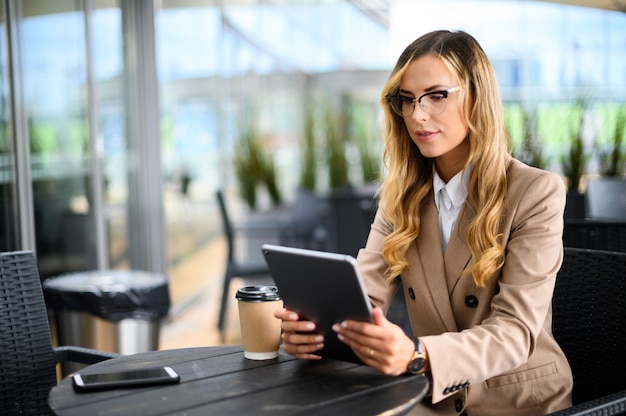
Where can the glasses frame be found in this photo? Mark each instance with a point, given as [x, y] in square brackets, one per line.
[418, 100]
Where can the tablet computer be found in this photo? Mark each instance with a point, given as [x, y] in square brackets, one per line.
[322, 287]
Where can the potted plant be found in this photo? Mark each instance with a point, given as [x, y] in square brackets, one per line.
[606, 194]
[613, 153]
[336, 151]
[308, 176]
[523, 131]
[575, 160]
[368, 145]
[254, 166]
[246, 168]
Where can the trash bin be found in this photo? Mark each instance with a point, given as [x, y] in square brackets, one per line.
[109, 310]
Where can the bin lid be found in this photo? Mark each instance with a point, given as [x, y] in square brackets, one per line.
[110, 294]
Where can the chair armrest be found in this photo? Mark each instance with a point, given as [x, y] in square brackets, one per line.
[612, 404]
[81, 355]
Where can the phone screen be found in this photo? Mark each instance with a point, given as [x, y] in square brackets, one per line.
[126, 378]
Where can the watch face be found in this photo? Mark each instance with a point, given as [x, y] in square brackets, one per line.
[416, 365]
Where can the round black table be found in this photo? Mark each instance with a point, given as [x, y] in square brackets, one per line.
[220, 381]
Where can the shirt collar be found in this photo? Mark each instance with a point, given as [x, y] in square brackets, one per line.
[456, 187]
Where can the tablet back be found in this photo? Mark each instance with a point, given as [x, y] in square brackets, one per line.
[325, 288]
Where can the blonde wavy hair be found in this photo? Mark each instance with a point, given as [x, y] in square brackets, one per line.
[408, 181]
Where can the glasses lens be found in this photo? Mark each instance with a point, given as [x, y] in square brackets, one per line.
[434, 103]
[395, 103]
[408, 105]
[403, 105]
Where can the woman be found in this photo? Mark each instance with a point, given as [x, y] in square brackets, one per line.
[473, 235]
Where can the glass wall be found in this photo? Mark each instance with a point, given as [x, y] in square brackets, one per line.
[76, 134]
[110, 137]
[58, 131]
[86, 151]
[226, 69]
[221, 63]
[548, 57]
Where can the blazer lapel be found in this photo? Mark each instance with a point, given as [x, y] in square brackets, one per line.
[428, 246]
[457, 255]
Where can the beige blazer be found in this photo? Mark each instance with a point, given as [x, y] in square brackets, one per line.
[491, 350]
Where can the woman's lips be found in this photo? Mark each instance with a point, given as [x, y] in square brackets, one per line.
[425, 135]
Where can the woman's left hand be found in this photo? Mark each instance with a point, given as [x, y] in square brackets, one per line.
[381, 345]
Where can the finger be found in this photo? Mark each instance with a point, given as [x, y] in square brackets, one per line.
[302, 349]
[303, 339]
[368, 328]
[302, 345]
[307, 356]
[379, 316]
[286, 314]
[359, 332]
[368, 355]
[370, 342]
[360, 345]
[297, 326]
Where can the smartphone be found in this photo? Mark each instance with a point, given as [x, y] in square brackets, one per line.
[125, 378]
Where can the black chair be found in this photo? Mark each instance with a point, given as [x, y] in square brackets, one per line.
[606, 198]
[306, 222]
[27, 359]
[235, 266]
[589, 312]
[348, 227]
[595, 234]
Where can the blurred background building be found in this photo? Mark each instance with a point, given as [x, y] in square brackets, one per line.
[119, 119]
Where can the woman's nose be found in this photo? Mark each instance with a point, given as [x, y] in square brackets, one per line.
[419, 113]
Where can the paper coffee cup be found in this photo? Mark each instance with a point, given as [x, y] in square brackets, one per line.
[260, 330]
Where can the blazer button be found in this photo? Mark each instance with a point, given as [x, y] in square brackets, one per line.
[458, 405]
[471, 301]
[411, 293]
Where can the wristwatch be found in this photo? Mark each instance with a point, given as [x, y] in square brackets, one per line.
[417, 365]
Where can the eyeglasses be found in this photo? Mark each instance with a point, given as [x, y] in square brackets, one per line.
[433, 102]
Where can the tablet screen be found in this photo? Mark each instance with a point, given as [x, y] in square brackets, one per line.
[322, 287]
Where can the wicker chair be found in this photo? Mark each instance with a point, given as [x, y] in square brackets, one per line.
[595, 234]
[27, 358]
[588, 322]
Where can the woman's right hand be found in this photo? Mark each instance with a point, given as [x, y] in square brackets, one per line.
[299, 338]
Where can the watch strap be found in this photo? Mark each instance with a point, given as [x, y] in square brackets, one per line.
[418, 345]
[417, 365]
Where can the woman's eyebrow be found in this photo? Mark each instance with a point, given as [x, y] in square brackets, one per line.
[437, 87]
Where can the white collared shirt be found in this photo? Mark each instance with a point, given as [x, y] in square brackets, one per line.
[449, 198]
